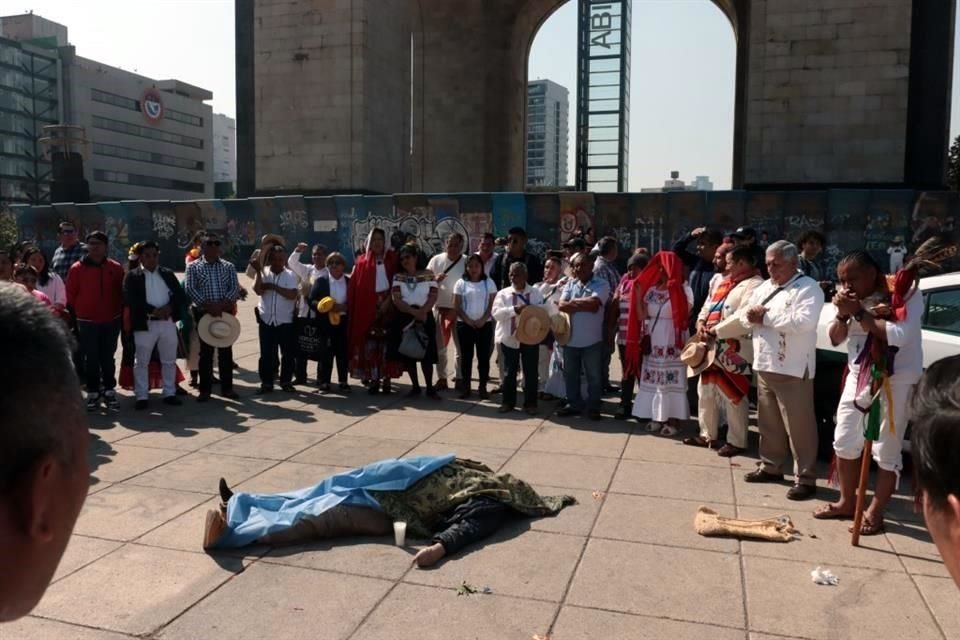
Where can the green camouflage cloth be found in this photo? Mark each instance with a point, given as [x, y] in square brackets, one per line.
[422, 506]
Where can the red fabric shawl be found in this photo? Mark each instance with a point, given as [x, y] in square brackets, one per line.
[362, 295]
[679, 307]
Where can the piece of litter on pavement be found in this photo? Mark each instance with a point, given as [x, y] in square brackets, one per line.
[537, 636]
[466, 589]
[812, 535]
[486, 590]
[597, 495]
[824, 577]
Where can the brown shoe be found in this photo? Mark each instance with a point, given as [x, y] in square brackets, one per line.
[213, 528]
[729, 451]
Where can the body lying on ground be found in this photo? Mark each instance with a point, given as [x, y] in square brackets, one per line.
[451, 501]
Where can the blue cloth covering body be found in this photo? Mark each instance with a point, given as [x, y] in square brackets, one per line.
[250, 516]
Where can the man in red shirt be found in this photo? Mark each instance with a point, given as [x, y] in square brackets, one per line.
[95, 299]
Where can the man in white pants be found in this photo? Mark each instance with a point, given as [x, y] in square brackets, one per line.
[156, 301]
[448, 268]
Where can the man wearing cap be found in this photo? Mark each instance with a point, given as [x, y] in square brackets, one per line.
[507, 307]
[156, 300]
[584, 298]
[448, 267]
[308, 274]
[71, 250]
[747, 237]
[95, 299]
[212, 284]
[278, 289]
[782, 316]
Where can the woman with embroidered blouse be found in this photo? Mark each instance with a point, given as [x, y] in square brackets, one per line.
[414, 295]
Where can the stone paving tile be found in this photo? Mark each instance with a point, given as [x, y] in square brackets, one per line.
[680, 584]
[576, 623]
[274, 601]
[136, 589]
[943, 599]
[325, 423]
[185, 533]
[124, 512]
[129, 461]
[286, 477]
[81, 551]
[374, 557]
[39, 629]
[178, 437]
[200, 471]
[657, 521]
[916, 549]
[506, 435]
[575, 519]
[599, 442]
[655, 448]
[867, 603]
[490, 456]
[396, 427]
[343, 450]
[261, 443]
[516, 561]
[710, 487]
[831, 546]
[424, 613]
[562, 470]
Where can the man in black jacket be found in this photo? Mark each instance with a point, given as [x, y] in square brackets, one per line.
[516, 252]
[156, 300]
[700, 264]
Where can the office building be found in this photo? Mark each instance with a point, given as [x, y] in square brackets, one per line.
[146, 139]
[29, 100]
[224, 156]
[674, 183]
[548, 108]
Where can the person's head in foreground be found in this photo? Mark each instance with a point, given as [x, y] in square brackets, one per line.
[935, 442]
[43, 449]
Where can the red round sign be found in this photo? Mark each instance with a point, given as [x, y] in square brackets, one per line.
[152, 106]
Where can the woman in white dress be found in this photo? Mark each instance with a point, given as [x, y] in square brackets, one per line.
[659, 314]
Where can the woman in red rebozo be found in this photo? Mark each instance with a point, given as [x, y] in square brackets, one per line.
[660, 307]
[368, 305]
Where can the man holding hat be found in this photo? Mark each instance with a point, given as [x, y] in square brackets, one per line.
[95, 299]
[584, 298]
[213, 286]
[522, 324]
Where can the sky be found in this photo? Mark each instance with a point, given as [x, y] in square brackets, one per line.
[682, 68]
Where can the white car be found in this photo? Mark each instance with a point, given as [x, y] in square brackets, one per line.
[941, 338]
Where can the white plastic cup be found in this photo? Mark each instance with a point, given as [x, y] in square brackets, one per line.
[400, 533]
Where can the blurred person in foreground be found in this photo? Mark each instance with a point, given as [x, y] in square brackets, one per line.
[43, 449]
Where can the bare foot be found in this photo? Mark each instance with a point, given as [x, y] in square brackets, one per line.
[429, 556]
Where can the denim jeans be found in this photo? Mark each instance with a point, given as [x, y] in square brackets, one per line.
[98, 344]
[589, 360]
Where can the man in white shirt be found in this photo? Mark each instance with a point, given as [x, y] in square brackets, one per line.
[782, 314]
[448, 268]
[550, 289]
[485, 251]
[507, 305]
[155, 301]
[308, 274]
[277, 287]
[863, 322]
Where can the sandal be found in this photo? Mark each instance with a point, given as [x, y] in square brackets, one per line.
[830, 512]
[869, 528]
[696, 441]
[669, 431]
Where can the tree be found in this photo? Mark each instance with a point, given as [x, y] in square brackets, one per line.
[953, 165]
[8, 228]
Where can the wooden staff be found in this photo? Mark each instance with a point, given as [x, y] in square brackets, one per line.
[861, 492]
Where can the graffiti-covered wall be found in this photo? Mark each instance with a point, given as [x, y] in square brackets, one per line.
[849, 218]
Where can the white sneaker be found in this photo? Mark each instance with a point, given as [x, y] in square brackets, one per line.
[110, 399]
[93, 401]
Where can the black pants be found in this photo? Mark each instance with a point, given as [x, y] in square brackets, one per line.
[626, 385]
[302, 365]
[98, 344]
[273, 338]
[479, 341]
[470, 522]
[337, 348]
[224, 362]
[529, 355]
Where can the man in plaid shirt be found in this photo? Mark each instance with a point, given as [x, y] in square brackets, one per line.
[212, 285]
[70, 250]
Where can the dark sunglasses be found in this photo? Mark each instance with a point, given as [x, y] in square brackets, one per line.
[212, 243]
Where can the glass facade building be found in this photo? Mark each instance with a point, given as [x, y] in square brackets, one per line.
[29, 100]
[548, 107]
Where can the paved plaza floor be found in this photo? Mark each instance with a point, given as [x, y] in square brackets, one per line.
[625, 563]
